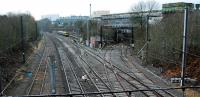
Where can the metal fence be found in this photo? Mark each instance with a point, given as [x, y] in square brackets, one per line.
[183, 92]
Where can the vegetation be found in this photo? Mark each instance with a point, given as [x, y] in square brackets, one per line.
[165, 45]
[10, 43]
[167, 39]
[10, 37]
[164, 48]
[78, 27]
[44, 25]
[139, 21]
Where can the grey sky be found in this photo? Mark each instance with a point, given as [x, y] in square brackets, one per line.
[71, 7]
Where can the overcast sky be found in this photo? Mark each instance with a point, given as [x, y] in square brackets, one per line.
[37, 8]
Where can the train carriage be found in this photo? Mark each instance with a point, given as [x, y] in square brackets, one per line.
[64, 33]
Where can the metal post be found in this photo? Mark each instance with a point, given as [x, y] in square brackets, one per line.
[0, 82]
[147, 37]
[184, 55]
[36, 31]
[106, 37]
[132, 35]
[117, 37]
[88, 32]
[101, 35]
[129, 94]
[52, 74]
[90, 10]
[147, 28]
[22, 40]
[88, 37]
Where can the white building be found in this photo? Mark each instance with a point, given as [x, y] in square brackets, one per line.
[52, 17]
[99, 13]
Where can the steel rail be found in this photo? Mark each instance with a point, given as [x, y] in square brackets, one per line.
[105, 69]
[66, 78]
[90, 77]
[116, 75]
[125, 61]
[107, 78]
[71, 68]
[43, 81]
[156, 93]
[97, 75]
[62, 67]
[12, 80]
[37, 70]
[132, 84]
[73, 71]
[111, 68]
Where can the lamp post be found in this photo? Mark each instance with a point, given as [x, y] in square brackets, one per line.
[184, 50]
[90, 10]
[89, 26]
[88, 32]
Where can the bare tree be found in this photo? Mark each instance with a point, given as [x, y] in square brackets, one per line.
[152, 5]
[138, 19]
[139, 7]
[142, 6]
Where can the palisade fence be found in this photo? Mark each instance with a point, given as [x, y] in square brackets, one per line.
[11, 31]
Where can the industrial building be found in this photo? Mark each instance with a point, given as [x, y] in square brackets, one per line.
[178, 7]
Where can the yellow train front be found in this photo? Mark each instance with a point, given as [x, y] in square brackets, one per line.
[64, 33]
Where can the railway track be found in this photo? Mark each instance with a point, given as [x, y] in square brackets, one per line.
[160, 93]
[97, 80]
[126, 85]
[138, 84]
[74, 71]
[114, 80]
[45, 79]
[28, 61]
[106, 84]
[123, 84]
[123, 77]
[93, 78]
[73, 84]
[37, 84]
[127, 64]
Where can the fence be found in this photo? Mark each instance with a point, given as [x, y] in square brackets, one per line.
[188, 92]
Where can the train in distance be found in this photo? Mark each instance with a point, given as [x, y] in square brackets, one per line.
[64, 33]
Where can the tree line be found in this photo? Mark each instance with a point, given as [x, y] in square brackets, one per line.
[11, 32]
[165, 36]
